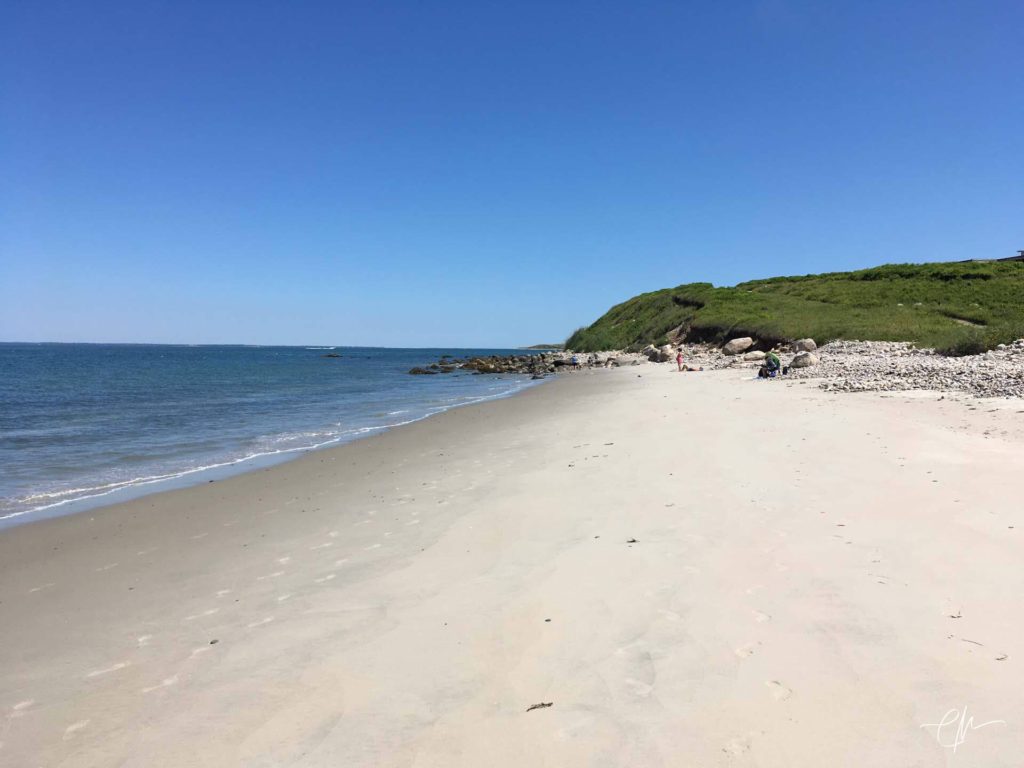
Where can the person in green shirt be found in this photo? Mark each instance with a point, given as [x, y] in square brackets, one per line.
[771, 366]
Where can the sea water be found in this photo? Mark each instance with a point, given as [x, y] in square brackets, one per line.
[89, 424]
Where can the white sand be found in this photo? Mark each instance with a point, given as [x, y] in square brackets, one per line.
[788, 601]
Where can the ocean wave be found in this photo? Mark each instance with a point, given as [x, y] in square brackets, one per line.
[50, 499]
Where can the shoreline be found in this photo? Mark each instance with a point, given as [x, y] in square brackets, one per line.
[693, 569]
[138, 488]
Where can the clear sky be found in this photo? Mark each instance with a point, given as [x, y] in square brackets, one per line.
[482, 173]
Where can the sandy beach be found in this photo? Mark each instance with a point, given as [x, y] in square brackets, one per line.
[691, 569]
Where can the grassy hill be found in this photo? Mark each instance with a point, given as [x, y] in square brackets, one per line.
[959, 308]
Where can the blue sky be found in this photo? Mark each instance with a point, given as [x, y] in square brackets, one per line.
[478, 173]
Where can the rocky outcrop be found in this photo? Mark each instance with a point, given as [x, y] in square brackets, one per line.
[735, 346]
[532, 364]
[535, 365]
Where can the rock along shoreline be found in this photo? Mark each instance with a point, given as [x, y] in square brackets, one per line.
[838, 366]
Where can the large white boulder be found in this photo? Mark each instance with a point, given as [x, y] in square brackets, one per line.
[804, 345]
[804, 360]
[735, 346]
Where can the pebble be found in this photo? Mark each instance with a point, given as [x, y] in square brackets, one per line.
[891, 366]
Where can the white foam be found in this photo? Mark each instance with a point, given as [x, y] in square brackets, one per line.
[61, 497]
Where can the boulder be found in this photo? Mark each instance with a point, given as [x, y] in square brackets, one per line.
[804, 360]
[666, 353]
[755, 355]
[804, 345]
[735, 346]
[652, 353]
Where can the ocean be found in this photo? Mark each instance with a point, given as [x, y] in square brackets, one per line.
[89, 424]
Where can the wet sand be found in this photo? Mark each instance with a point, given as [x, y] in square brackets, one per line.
[813, 577]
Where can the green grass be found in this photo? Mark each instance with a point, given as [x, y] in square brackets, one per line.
[959, 308]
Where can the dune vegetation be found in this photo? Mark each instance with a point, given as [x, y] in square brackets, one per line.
[958, 308]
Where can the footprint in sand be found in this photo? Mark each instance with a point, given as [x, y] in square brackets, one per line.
[144, 552]
[760, 617]
[282, 598]
[745, 651]
[372, 546]
[737, 746]
[106, 670]
[413, 522]
[222, 592]
[41, 587]
[779, 691]
[260, 623]
[165, 683]
[204, 614]
[284, 560]
[143, 640]
[19, 709]
[199, 536]
[324, 579]
[74, 728]
[639, 687]
[325, 545]
[273, 575]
